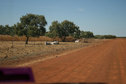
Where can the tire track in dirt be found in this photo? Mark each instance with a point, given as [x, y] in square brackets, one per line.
[61, 63]
[121, 53]
[103, 63]
[87, 69]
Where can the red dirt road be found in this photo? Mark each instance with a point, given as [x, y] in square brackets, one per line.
[104, 63]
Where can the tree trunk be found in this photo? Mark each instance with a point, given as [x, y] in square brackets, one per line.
[27, 40]
[53, 39]
[12, 43]
[64, 39]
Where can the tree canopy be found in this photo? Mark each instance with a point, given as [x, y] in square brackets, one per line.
[63, 29]
[31, 25]
[69, 28]
[86, 34]
[55, 30]
[6, 30]
[105, 36]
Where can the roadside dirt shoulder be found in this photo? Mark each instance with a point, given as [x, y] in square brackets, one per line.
[65, 52]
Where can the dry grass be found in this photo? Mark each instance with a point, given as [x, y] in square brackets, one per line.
[19, 47]
[35, 49]
[23, 38]
[41, 38]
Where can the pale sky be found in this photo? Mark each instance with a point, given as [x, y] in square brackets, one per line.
[98, 16]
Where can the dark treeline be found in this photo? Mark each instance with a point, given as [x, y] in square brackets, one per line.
[105, 36]
[32, 25]
[6, 30]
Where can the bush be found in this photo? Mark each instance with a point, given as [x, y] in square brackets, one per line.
[105, 36]
[69, 39]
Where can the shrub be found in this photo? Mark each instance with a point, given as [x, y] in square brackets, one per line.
[105, 36]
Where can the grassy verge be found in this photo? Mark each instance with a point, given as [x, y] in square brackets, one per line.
[21, 53]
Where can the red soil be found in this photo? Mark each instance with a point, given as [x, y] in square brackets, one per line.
[104, 63]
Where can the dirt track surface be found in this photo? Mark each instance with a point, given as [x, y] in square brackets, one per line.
[104, 63]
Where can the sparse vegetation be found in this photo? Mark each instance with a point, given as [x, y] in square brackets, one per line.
[21, 53]
[105, 36]
[86, 34]
[63, 30]
[32, 25]
[32, 28]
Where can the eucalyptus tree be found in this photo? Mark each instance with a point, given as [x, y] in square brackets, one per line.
[31, 25]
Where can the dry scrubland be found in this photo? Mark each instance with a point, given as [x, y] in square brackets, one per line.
[23, 38]
[21, 53]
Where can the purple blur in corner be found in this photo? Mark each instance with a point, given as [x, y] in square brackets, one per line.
[16, 74]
